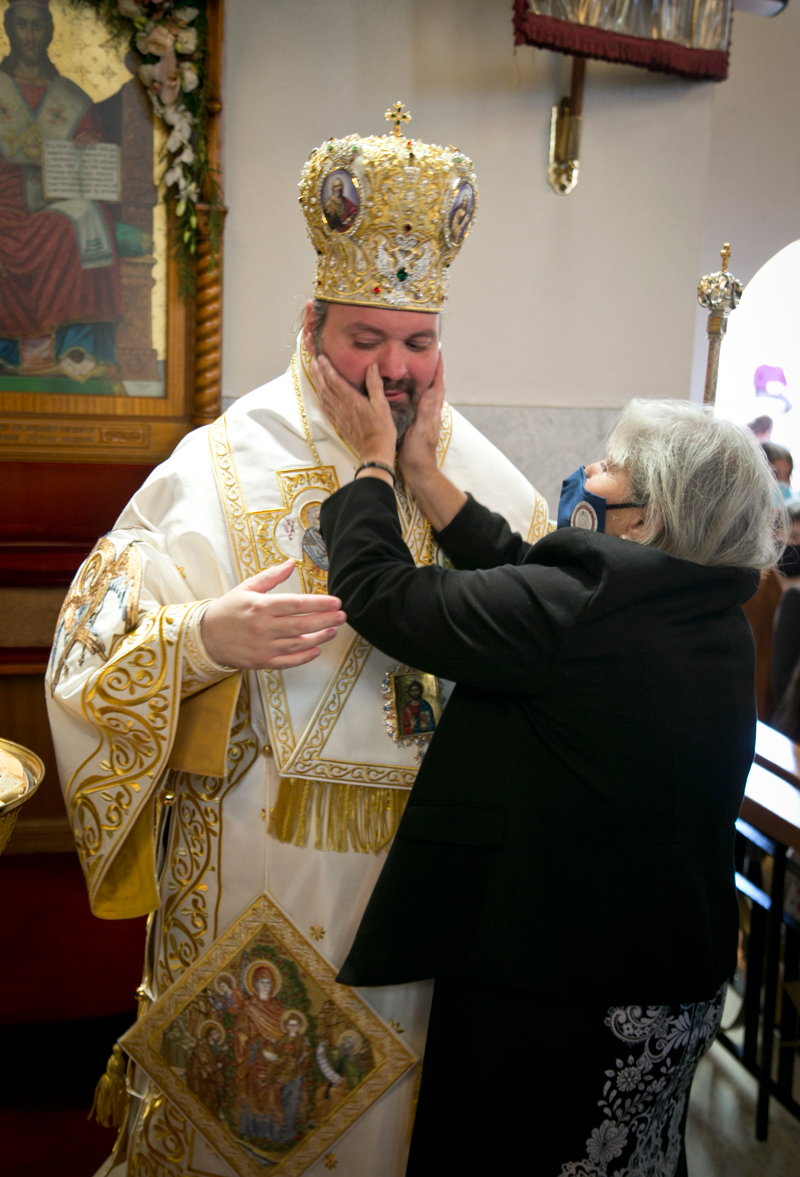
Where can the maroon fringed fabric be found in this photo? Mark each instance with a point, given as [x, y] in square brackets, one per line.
[564, 36]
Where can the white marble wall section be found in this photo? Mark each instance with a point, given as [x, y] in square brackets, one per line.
[545, 444]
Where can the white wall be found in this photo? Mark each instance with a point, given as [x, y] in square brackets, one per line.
[562, 306]
[752, 197]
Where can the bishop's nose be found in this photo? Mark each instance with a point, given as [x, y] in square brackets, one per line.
[392, 364]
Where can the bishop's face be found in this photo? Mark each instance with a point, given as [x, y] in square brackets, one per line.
[404, 345]
[28, 33]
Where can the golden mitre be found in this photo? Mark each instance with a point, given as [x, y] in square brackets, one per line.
[387, 215]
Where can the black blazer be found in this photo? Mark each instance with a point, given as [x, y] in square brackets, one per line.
[571, 828]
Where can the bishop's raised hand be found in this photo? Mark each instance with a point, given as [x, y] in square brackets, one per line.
[252, 628]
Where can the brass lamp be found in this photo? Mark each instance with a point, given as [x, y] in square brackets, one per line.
[34, 773]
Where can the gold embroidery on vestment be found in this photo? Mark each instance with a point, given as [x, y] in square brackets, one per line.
[245, 553]
[102, 572]
[538, 527]
[309, 760]
[232, 499]
[133, 708]
[257, 529]
[193, 865]
[286, 531]
[161, 1144]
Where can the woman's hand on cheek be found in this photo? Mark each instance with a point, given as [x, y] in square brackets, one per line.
[364, 422]
[417, 455]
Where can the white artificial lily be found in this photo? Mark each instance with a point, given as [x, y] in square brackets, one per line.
[186, 40]
[179, 136]
[189, 77]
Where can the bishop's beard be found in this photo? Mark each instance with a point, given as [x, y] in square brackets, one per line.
[403, 412]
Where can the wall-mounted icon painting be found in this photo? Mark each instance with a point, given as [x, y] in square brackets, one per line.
[340, 200]
[462, 212]
[83, 235]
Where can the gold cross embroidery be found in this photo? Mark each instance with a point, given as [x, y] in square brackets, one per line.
[280, 533]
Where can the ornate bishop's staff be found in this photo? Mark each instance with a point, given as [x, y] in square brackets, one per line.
[720, 294]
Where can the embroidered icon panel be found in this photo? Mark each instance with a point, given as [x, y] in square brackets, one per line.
[109, 580]
[263, 1052]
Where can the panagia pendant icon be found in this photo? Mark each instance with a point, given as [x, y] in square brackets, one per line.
[412, 706]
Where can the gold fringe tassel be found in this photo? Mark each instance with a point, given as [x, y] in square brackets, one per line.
[344, 817]
[110, 1094]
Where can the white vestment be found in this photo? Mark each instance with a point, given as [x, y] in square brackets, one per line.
[310, 746]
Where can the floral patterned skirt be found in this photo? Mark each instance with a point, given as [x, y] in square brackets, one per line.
[512, 1085]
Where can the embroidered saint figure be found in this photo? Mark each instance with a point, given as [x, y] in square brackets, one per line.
[104, 572]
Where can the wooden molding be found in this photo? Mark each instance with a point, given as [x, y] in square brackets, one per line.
[41, 835]
[208, 297]
[208, 326]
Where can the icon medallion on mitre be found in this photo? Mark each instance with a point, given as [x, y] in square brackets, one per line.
[387, 214]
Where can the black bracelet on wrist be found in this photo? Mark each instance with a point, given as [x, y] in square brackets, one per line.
[380, 466]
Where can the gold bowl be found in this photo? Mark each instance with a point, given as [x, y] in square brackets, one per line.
[34, 771]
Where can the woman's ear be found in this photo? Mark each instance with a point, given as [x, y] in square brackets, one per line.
[647, 526]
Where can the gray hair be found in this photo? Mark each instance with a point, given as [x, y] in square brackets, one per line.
[320, 308]
[711, 495]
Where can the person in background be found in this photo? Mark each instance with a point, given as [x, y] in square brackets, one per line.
[761, 428]
[789, 563]
[785, 659]
[782, 465]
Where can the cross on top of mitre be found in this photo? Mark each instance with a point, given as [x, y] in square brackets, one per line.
[398, 115]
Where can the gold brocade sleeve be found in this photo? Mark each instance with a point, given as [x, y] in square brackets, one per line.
[132, 703]
[123, 660]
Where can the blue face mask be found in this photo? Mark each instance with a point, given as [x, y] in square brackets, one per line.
[578, 507]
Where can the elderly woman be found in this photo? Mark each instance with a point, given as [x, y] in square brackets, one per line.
[564, 867]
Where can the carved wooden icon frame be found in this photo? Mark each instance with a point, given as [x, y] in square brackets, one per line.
[46, 426]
